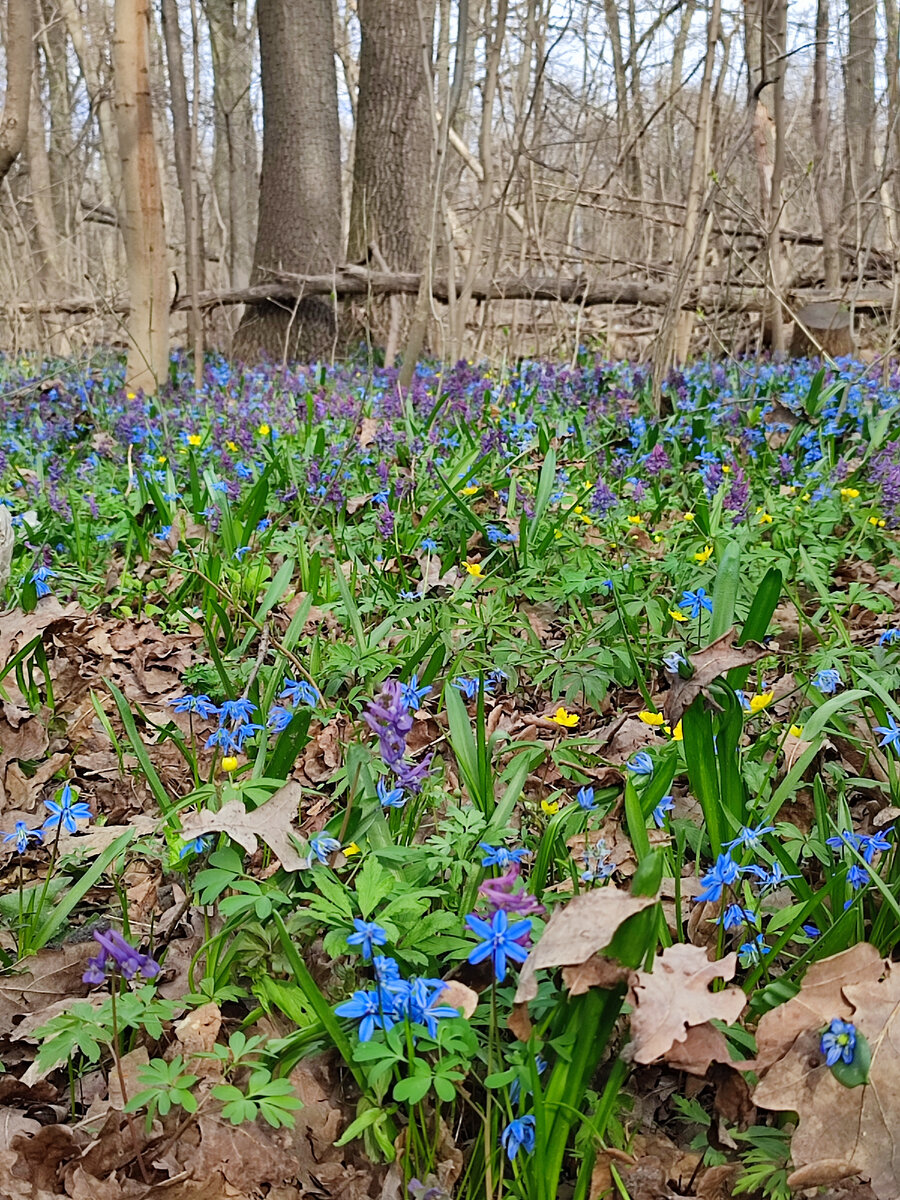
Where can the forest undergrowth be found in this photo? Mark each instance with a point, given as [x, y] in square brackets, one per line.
[485, 789]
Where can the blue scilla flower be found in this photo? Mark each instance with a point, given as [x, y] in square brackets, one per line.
[198, 845]
[299, 692]
[429, 544]
[238, 712]
[386, 969]
[585, 798]
[67, 811]
[279, 718]
[412, 695]
[641, 764]
[695, 602]
[22, 835]
[771, 879]
[373, 1009]
[838, 1042]
[890, 732]
[468, 687]
[322, 845]
[163, 533]
[39, 578]
[662, 809]
[500, 941]
[367, 936]
[673, 660]
[857, 876]
[827, 681]
[722, 874]
[201, 705]
[752, 953]
[390, 797]
[876, 843]
[736, 915]
[421, 1004]
[240, 552]
[888, 637]
[518, 1135]
[750, 839]
[224, 740]
[499, 856]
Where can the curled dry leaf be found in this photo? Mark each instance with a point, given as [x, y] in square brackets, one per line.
[841, 1131]
[271, 822]
[573, 934]
[676, 996]
[709, 663]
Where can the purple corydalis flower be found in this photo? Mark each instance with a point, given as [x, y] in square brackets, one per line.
[389, 717]
[118, 955]
[501, 895]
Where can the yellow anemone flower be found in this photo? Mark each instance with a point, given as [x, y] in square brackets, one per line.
[676, 615]
[688, 516]
[635, 520]
[703, 555]
[758, 703]
[474, 569]
[678, 733]
[194, 439]
[765, 518]
[232, 446]
[849, 493]
[567, 719]
[229, 763]
[796, 731]
[264, 430]
[352, 849]
[550, 807]
[471, 489]
[651, 718]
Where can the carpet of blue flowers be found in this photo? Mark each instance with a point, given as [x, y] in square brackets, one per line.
[521, 762]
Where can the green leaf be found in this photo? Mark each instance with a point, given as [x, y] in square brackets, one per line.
[854, 1073]
[412, 1089]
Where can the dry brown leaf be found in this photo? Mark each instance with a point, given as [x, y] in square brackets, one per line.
[458, 996]
[271, 822]
[197, 1034]
[709, 663]
[702, 1045]
[676, 996]
[578, 930]
[841, 1131]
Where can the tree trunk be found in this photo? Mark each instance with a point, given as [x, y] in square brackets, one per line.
[826, 199]
[235, 159]
[143, 223]
[184, 170]
[19, 67]
[393, 159]
[300, 188]
[860, 183]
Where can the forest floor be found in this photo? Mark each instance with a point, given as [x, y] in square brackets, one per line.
[486, 790]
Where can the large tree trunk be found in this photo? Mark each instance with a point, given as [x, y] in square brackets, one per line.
[826, 200]
[300, 188]
[393, 159]
[143, 223]
[19, 66]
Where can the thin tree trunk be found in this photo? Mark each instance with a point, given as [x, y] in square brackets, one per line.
[19, 68]
[860, 198]
[775, 252]
[143, 223]
[183, 139]
[826, 199]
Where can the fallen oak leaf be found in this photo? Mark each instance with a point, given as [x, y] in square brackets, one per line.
[840, 1130]
[708, 664]
[676, 996]
[271, 823]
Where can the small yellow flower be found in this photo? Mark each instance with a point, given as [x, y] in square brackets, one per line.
[557, 533]
[765, 519]
[352, 849]
[678, 733]
[194, 439]
[806, 496]
[161, 460]
[688, 516]
[635, 520]
[470, 490]
[657, 538]
[264, 430]
[474, 569]
[578, 509]
[703, 555]
[229, 763]
[796, 731]
[587, 485]
[758, 703]
[132, 396]
[676, 615]
[585, 520]
[651, 718]
[878, 523]
[566, 719]
[232, 446]
[550, 807]
[849, 493]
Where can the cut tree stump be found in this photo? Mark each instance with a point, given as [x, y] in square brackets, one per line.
[822, 326]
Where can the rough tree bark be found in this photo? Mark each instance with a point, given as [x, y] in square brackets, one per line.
[143, 223]
[826, 200]
[19, 67]
[300, 187]
[860, 183]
